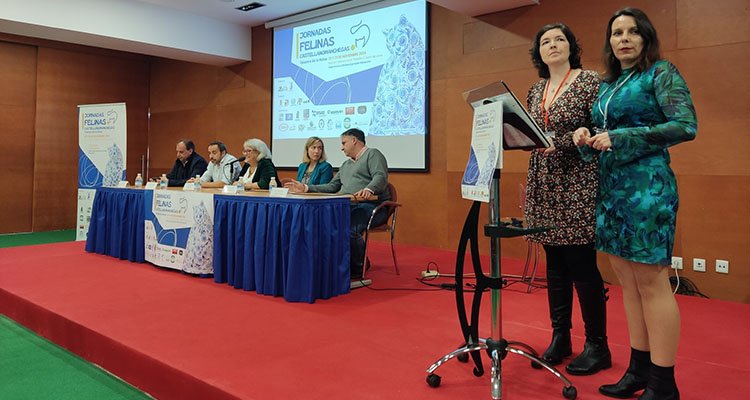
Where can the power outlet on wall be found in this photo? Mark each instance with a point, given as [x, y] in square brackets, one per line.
[699, 265]
[722, 266]
[676, 262]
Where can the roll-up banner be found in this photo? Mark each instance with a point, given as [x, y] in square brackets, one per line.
[102, 151]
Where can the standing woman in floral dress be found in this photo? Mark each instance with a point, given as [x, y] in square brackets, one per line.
[561, 193]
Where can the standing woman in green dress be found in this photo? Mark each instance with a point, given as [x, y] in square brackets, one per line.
[643, 108]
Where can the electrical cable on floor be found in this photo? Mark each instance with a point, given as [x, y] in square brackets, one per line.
[686, 287]
[434, 287]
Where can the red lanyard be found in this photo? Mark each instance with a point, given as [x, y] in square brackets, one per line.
[545, 113]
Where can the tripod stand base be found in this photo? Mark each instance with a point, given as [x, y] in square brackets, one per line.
[462, 354]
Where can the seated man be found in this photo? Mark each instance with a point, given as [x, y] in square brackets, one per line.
[188, 164]
[223, 168]
[364, 175]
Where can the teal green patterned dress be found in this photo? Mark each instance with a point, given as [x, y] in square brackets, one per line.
[637, 205]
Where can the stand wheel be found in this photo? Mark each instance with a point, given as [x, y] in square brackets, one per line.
[570, 392]
[433, 380]
[463, 357]
[477, 372]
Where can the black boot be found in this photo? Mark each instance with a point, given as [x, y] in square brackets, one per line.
[559, 348]
[661, 384]
[595, 355]
[560, 299]
[634, 379]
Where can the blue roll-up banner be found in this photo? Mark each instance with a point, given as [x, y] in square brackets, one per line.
[179, 230]
[102, 152]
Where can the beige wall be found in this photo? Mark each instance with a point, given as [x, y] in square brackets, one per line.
[707, 40]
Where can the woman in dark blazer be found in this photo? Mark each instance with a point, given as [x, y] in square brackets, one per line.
[314, 170]
[258, 169]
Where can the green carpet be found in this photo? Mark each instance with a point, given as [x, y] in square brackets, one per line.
[25, 239]
[31, 367]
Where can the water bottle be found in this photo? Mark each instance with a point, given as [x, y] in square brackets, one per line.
[163, 181]
[197, 182]
[240, 185]
[138, 180]
[272, 184]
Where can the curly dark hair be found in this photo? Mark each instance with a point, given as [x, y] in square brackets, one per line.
[649, 54]
[575, 49]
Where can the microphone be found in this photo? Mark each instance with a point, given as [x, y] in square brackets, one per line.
[231, 164]
[231, 168]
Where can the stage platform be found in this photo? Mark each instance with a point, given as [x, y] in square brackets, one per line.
[180, 337]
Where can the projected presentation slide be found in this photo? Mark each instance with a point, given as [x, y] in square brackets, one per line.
[366, 71]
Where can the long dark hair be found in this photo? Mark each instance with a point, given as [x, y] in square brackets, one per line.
[575, 49]
[649, 54]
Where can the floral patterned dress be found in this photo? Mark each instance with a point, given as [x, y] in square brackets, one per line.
[637, 208]
[561, 187]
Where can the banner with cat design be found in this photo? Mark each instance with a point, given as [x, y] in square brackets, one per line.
[179, 230]
[102, 152]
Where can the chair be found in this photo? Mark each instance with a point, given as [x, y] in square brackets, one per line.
[389, 226]
[284, 181]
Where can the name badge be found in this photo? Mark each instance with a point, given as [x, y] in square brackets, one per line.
[278, 192]
[122, 184]
[151, 185]
[189, 187]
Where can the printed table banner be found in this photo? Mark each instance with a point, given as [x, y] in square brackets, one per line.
[179, 230]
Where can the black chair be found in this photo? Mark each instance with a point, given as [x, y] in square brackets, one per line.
[388, 226]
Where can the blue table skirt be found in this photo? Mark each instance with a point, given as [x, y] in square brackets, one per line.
[296, 248]
[116, 227]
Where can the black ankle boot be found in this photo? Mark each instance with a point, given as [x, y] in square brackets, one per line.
[661, 384]
[594, 358]
[559, 348]
[634, 379]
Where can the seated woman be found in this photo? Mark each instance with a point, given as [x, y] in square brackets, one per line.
[258, 169]
[314, 170]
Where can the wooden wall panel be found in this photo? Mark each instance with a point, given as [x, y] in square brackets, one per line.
[17, 107]
[66, 79]
[207, 103]
[198, 125]
[702, 23]
[719, 94]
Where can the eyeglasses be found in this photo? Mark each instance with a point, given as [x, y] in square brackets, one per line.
[248, 150]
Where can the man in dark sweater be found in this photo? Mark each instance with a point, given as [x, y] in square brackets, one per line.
[187, 165]
[364, 175]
